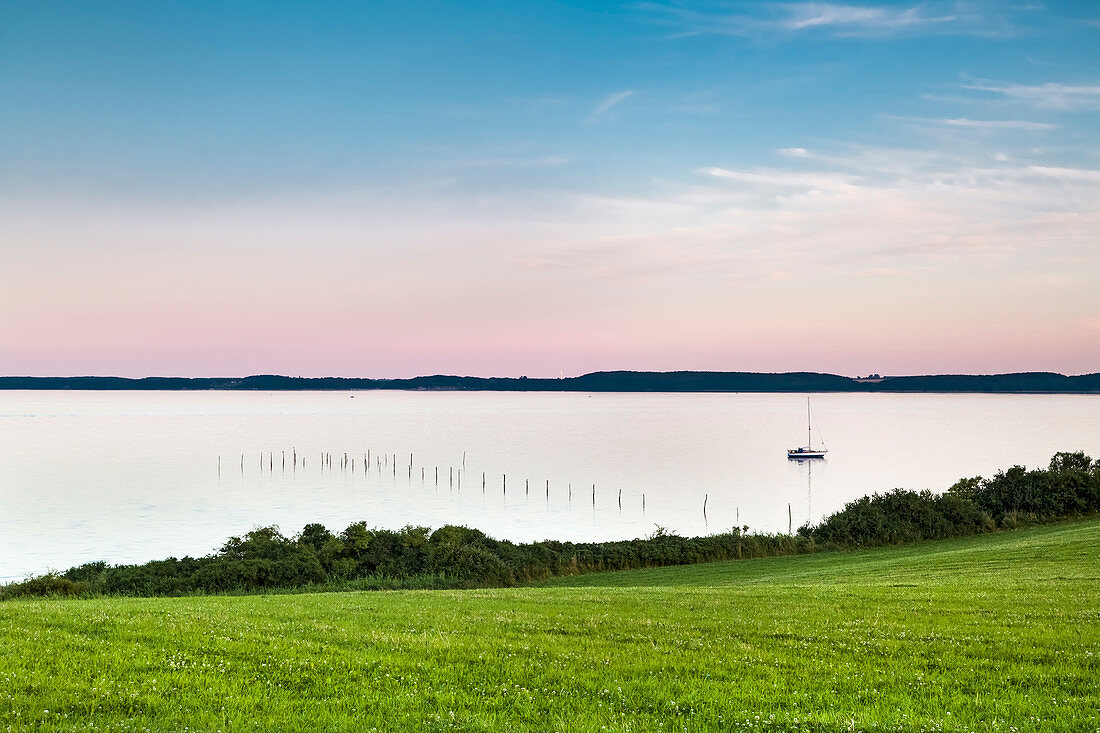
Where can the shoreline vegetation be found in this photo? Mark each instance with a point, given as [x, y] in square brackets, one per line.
[613, 381]
[452, 557]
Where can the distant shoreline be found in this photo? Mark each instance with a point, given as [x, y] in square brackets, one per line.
[618, 381]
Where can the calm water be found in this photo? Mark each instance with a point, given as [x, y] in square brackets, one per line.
[132, 476]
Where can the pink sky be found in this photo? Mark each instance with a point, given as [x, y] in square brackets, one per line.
[699, 275]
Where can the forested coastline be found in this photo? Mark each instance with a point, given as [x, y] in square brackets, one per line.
[614, 381]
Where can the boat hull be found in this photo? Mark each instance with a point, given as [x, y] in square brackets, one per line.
[799, 454]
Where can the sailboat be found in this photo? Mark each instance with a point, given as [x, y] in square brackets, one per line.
[807, 451]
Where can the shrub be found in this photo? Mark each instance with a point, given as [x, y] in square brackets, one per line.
[50, 584]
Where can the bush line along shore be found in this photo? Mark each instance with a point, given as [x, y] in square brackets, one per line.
[360, 558]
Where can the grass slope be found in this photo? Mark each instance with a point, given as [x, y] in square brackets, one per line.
[996, 632]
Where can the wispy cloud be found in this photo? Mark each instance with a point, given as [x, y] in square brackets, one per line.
[967, 123]
[546, 161]
[816, 15]
[609, 103]
[783, 178]
[865, 212]
[832, 18]
[1052, 95]
[996, 124]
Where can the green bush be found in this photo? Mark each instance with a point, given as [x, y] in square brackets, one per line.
[50, 584]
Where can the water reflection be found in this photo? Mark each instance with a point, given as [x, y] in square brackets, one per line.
[806, 466]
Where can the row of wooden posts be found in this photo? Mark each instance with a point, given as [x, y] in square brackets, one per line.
[347, 462]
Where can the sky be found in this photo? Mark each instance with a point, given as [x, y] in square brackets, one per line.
[389, 189]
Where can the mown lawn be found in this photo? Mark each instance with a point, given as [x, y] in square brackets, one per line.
[997, 632]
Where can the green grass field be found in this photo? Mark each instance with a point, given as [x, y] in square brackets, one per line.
[995, 632]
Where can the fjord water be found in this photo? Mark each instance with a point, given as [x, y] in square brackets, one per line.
[133, 476]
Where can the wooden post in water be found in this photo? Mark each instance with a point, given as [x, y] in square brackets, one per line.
[483, 481]
[620, 500]
[504, 483]
[593, 494]
[548, 489]
[460, 479]
[526, 486]
[242, 464]
[705, 497]
[421, 473]
[219, 466]
[284, 460]
[451, 477]
[437, 475]
[790, 520]
[464, 459]
[643, 503]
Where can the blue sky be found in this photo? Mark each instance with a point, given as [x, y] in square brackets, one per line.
[535, 187]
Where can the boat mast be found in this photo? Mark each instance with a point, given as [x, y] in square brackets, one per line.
[809, 437]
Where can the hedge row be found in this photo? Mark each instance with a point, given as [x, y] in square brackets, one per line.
[1068, 487]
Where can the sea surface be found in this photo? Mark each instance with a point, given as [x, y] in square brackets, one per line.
[133, 476]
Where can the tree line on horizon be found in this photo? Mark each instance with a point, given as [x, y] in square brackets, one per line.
[360, 557]
[613, 381]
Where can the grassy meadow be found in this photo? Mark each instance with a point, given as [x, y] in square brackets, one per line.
[992, 632]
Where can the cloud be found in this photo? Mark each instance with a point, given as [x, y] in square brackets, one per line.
[784, 179]
[794, 152]
[869, 212]
[815, 15]
[1052, 95]
[964, 122]
[546, 161]
[609, 103]
[833, 18]
[996, 124]
[1065, 174]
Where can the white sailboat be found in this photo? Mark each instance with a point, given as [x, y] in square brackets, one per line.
[807, 451]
